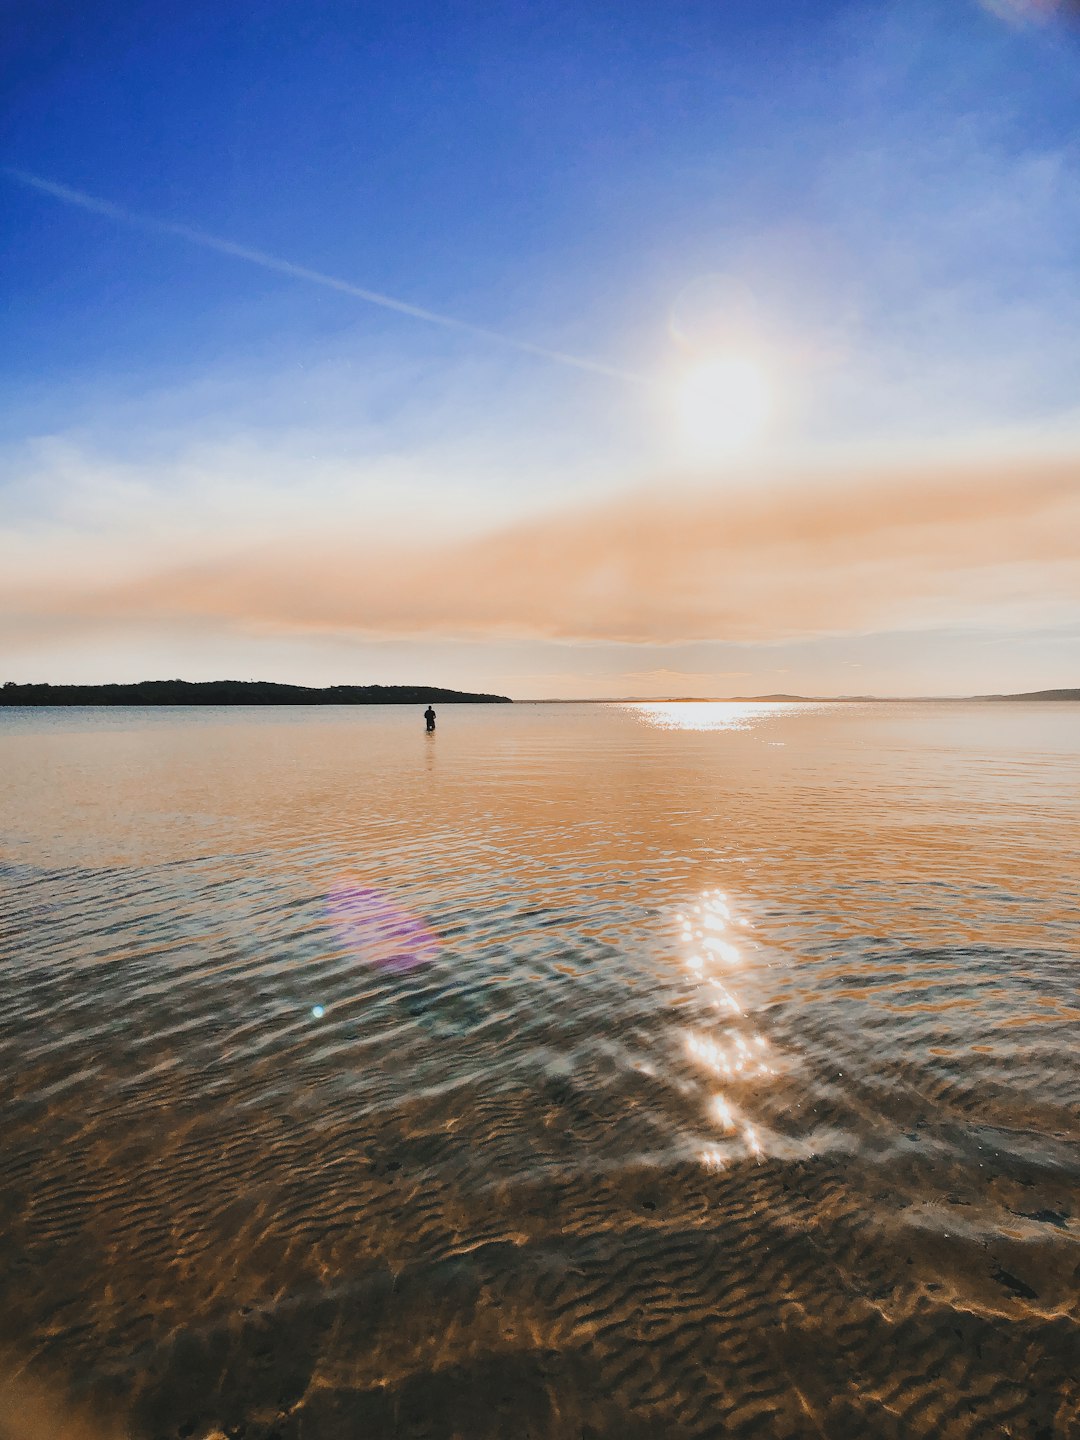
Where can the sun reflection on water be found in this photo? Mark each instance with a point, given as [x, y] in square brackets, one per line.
[730, 1050]
[712, 714]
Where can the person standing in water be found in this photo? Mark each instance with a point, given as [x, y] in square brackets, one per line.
[429, 716]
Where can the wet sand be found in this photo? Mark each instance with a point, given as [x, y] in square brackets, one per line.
[573, 1072]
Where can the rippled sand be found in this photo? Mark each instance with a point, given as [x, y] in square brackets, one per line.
[575, 1072]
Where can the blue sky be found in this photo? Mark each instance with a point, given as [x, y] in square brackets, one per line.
[890, 191]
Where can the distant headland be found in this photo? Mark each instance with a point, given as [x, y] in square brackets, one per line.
[238, 692]
[785, 699]
[901, 700]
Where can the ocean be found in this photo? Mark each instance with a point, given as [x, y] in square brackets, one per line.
[577, 1071]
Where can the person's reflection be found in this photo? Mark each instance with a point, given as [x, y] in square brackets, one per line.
[429, 716]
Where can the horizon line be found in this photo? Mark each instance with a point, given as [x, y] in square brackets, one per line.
[773, 697]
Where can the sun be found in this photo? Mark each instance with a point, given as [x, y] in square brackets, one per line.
[721, 405]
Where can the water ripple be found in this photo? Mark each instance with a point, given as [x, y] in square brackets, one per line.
[635, 1077]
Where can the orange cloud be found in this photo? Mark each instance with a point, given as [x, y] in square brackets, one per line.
[813, 556]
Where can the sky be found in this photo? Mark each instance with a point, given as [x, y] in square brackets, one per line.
[586, 349]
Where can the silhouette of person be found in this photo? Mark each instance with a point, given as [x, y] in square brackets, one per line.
[429, 716]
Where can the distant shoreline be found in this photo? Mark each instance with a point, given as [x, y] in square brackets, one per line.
[1041, 695]
[238, 692]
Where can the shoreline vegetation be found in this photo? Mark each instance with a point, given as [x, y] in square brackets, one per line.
[238, 692]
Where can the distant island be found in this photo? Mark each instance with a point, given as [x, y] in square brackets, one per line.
[238, 692]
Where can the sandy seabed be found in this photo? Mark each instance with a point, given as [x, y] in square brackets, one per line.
[574, 1073]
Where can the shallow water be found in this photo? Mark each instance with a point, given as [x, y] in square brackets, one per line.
[577, 1071]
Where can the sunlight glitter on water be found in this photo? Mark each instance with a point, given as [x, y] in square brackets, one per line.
[712, 714]
[730, 1050]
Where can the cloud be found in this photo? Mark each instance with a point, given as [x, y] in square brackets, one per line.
[807, 557]
[263, 261]
[1033, 12]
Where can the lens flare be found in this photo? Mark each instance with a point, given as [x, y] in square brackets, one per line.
[378, 931]
[712, 312]
[1032, 12]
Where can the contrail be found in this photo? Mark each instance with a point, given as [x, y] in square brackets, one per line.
[302, 272]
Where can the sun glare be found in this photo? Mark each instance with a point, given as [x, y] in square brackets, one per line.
[721, 406]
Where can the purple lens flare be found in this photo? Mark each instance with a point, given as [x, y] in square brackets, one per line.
[378, 931]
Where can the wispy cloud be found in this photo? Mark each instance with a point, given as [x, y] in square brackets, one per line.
[95, 204]
[854, 553]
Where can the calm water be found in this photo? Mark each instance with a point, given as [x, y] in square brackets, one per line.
[703, 1070]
